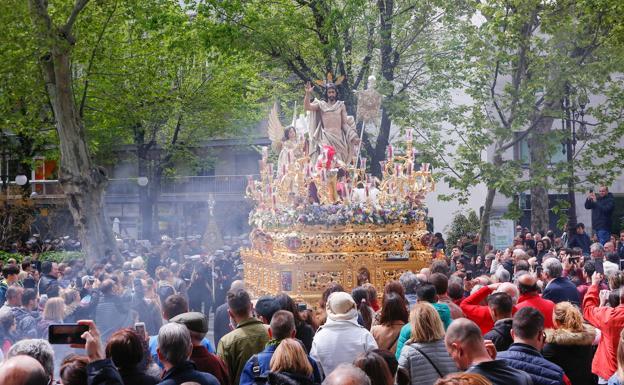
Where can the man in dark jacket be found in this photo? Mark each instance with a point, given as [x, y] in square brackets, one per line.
[500, 305]
[222, 323]
[282, 327]
[559, 288]
[602, 210]
[466, 347]
[524, 354]
[112, 311]
[197, 324]
[27, 316]
[580, 239]
[50, 272]
[174, 349]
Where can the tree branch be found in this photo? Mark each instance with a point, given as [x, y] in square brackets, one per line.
[78, 7]
[92, 59]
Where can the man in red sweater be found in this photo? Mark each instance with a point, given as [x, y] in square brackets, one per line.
[476, 310]
[529, 296]
[610, 321]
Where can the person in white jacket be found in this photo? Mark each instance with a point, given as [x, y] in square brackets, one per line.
[341, 339]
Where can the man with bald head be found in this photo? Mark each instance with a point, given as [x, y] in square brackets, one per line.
[475, 311]
[530, 297]
[23, 370]
[222, 323]
[467, 348]
[347, 374]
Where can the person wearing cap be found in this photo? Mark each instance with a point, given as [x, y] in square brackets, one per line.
[341, 339]
[247, 339]
[197, 324]
[282, 327]
[265, 307]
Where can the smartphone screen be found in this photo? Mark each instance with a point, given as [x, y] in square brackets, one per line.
[139, 327]
[65, 334]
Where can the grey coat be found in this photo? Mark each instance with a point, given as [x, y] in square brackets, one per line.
[420, 370]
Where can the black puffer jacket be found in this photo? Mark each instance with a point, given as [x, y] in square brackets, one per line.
[500, 334]
[572, 351]
[285, 378]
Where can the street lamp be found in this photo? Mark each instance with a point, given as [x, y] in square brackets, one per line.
[21, 180]
[573, 107]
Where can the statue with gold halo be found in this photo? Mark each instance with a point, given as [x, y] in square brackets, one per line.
[329, 123]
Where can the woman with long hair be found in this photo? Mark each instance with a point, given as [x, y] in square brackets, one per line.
[424, 356]
[375, 368]
[540, 250]
[127, 350]
[304, 332]
[290, 364]
[72, 304]
[53, 313]
[394, 315]
[361, 296]
[569, 345]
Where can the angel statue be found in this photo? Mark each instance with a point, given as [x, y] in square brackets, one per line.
[284, 140]
[329, 123]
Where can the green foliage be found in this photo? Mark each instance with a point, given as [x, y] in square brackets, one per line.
[53, 256]
[463, 223]
[15, 221]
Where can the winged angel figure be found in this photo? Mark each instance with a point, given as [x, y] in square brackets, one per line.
[286, 141]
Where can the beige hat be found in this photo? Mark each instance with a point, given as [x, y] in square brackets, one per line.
[341, 306]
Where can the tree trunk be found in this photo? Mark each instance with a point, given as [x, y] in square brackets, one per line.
[484, 228]
[538, 172]
[146, 208]
[83, 182]
[389, 60]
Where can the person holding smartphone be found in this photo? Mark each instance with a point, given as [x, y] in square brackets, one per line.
[601, 206]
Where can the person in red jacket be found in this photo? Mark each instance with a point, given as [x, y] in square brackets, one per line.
[610, 321]
[475, 310]
[529, 296]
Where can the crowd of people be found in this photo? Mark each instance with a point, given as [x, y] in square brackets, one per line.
[545, 310]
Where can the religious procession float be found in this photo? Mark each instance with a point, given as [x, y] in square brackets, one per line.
[319, 217]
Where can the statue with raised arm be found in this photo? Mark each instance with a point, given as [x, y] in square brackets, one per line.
[329, 123]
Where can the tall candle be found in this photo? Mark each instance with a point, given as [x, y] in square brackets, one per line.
[397, 169]
[363, 163]
[265, 152]
[390, 151]
[409, 134]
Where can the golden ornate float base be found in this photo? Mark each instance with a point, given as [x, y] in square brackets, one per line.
[303, 261]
